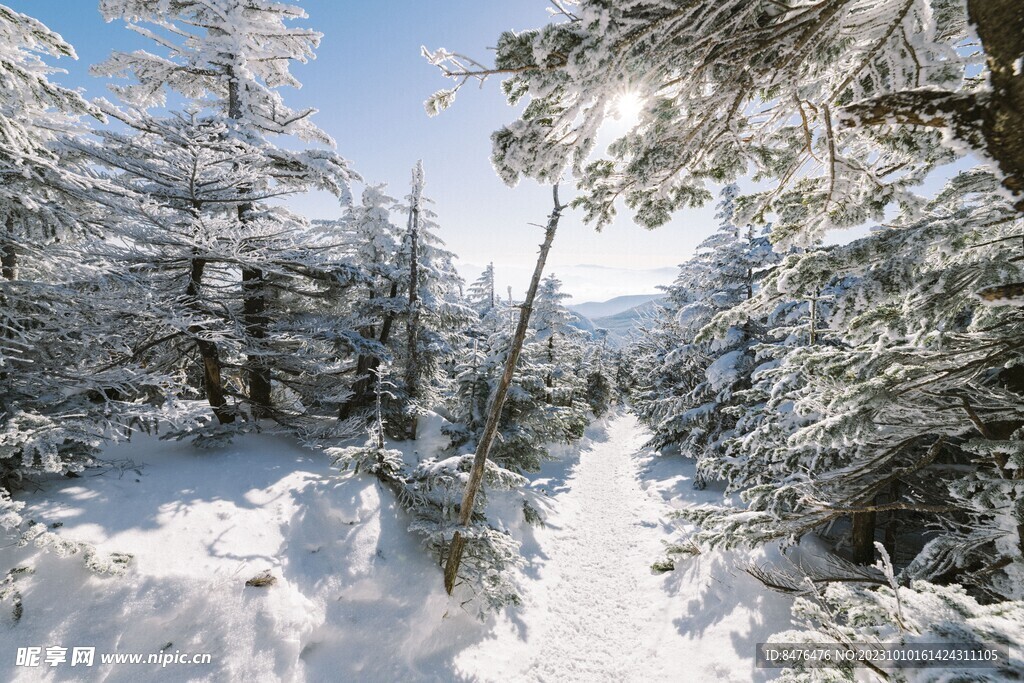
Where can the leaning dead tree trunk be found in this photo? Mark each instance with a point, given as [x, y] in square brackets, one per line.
[476, 474]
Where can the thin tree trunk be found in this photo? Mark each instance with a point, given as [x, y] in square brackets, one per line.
[361, 386]
[490, 283]
[254, 307]
[366, 366]
[813, 335]
[549, 381]
[8, 255]
[208, 351]
[483, 449]
[890, 523]
[863, 537]
[412, 368]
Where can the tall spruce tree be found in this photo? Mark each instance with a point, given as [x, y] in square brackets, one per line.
[434, 315]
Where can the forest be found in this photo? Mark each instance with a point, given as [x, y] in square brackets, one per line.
[309, 448]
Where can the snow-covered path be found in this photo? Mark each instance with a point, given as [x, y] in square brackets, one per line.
[596, 611]
[597, 624]
[593, 608]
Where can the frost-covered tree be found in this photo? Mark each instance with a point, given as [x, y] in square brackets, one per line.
[434, 316]
[227, 59]
[689, 391]
[372, 241]
[40, 191]
[481, 294]
[56, 399]
[907, 417]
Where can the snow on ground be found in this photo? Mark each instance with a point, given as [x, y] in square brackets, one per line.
[594, 610]
[356, 598]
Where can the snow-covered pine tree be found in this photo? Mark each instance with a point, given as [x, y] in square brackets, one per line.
[907, 417]
[57, 404]
[481, 295]
[372, 241]
[561, 349]
[690, 395]
[434, 316]
[228, 58]
[600, 374]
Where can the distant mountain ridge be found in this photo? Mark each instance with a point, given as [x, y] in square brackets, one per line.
[622, 324]
[613, 307]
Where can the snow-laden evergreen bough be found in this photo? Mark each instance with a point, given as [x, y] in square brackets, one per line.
[62, 396]
[899, 419]
[800, 92]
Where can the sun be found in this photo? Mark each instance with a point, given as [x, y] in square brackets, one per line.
[627, 108]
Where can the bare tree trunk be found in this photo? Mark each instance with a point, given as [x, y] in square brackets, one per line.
[8, 255]
[362, 383]
[483, 449]
[254, 307]
[490, 283]
[863, 537]
[412, 368]
[549, 381]
[212, 384]
[813, 336]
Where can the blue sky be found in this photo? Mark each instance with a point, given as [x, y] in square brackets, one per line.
[369, 83]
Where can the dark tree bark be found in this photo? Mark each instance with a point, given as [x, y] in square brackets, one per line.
[549, 381]
[254, 297]
[863, 537]
[483, 449]
[1000, 25]
[362, 383]
[367, 365]
[254, 307]
[8, 255]
[208, 351]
